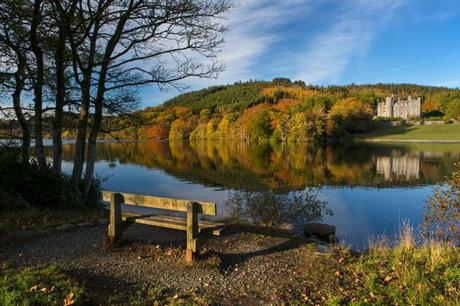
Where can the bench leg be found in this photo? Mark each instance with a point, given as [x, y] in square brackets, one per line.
[192, 231]
[189, 256]
[115, 231]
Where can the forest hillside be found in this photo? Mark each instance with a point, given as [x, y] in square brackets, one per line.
[277, 110]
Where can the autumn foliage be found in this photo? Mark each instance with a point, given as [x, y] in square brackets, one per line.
[279, 111]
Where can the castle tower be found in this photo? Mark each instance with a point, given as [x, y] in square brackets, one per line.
[389, 102]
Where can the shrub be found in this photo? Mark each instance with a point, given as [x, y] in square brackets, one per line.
[442, 217]
[453, 110]
[434, 118]
[24, 183]
[433, 114]
[11, 201]
[269, 209]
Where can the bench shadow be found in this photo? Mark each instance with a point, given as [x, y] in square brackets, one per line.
[231, 259]
[144, 235]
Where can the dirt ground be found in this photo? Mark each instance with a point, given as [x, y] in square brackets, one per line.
[243, 266]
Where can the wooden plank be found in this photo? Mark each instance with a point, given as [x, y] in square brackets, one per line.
[215, 228]
[202, 224]
[179, 225]
[206, 208]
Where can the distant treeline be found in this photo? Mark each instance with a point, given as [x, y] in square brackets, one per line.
[277, 110]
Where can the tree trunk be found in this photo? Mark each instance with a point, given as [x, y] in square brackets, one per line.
[25, 128]
[60, 101]
[38, 86]
[79, 157]
[90, 160]
[92, 140]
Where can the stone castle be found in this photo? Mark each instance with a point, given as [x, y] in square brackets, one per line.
[397, 108]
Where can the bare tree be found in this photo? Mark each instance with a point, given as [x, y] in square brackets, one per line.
[151, 41]
[13, 51]
[108, 48]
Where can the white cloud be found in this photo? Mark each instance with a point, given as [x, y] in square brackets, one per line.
[254, 28]
[325, 38]
[349, 37]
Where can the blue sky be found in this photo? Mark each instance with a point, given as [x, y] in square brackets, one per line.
[337, 42]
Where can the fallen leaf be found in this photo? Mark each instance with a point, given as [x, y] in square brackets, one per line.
[69, 299]
[46, 290]
[33, 288]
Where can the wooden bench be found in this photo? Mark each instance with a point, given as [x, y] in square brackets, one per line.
[196, 229]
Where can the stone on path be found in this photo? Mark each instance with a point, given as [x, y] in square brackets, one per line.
[324, 232]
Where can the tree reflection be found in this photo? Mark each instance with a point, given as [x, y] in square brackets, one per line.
[257, 167]
[269, 209]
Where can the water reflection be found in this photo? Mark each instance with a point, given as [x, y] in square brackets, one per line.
[391, 167]
[269, 209]
[370, 188]
[241, 166]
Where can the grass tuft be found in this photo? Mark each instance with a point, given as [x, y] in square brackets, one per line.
[39, 286]
[409, 274]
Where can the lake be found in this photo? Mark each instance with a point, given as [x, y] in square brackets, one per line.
[371, 189]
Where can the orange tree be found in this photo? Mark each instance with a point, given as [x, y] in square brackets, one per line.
[350, 115]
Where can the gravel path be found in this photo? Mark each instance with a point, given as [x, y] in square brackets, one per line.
[239, 267]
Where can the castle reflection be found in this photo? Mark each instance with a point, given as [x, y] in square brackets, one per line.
[407, 167]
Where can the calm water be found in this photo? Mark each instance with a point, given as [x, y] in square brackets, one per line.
[371, 189]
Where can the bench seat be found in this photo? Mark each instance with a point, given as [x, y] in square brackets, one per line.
[178, 223]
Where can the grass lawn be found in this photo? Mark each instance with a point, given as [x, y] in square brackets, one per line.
[444, 132]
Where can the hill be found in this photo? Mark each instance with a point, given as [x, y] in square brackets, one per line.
[279, 110]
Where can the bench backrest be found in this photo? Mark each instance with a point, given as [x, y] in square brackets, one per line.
[205, 208]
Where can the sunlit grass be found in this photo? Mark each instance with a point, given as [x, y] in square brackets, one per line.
[409, 273]
[441, 132]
